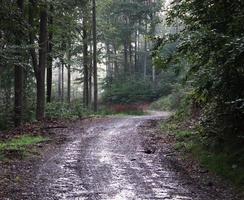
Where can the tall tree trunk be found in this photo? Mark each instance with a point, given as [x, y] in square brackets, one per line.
[145, 57]
[125, 57]
[135, 64]
[62, 81]
[69, 77]
[131, 70]
[94, 27]
[145, 60]
[85, 62]
[90, 77]
[68, 84]
[32, 6]
[116, 68]
[18, 78]
[49, 68]
[153, 74]
[59, 82]
[40, 78]
[108, 65]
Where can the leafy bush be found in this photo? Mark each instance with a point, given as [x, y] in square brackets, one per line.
[19, 145]
[191, 141]
[214, 52]
[170, 102]
[135, 90]
[60, 110]
[5, 120]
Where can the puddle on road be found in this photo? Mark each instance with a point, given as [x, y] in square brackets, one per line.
[65, 183]
[103, 169]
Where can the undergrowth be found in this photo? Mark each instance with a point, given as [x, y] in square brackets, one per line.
[189, 140]
[19, 146]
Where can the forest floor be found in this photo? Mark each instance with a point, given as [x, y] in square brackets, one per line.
[113, 158]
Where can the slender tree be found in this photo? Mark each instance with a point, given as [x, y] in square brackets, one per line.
[69, 76]
[90, 72]
[50, 59]
[40, 74]
[18, 76]
[94, 28]
[85, 59]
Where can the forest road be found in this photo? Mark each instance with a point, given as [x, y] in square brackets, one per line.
[111, 161]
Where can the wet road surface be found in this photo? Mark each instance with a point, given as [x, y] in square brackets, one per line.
[110, 162]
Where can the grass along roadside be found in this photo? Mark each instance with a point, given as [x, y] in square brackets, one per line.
[19, 146]
[189, 142]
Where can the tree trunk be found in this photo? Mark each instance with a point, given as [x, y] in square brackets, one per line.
[145, 57]
[49, 68]
[116, 68]
[69, 77]
[131, 70]
[109, 66]
[59, 82]
[153, 74]
[69, 84]
[145, 60]
[32, 6]
[125, 57]
[90, 77]
[62, 81]
[94, 27]
[40, 78]
[135, 65]
[85, 63]
[18, 78]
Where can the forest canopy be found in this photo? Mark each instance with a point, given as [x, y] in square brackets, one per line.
[50, 52]
[69, 59]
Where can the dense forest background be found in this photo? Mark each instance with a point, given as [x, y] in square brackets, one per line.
[68, 58]
[51, 53]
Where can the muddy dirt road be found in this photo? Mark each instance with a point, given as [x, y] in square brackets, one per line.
[111, 162]
[111, 159]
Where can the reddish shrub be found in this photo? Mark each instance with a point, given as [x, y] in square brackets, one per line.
[120, 108]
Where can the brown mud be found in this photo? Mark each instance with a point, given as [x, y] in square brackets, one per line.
[109, 159]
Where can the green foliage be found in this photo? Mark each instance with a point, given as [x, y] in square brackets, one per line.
[223, 164]
[171, 102]
[211, 42]
[20, 144]
[61, 110]
[108, 112]
[134, 90]
[190, 141]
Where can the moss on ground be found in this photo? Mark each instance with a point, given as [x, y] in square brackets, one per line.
[223, 163]
[20, 145]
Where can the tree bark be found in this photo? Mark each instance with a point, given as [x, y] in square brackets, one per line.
[40, 78]
[135, 65]
[108, 64]
[69, 77]
[116, 68]
[59, 81]
[32, 6]
[94, 27]
[145, 57]
[18, 78]
[125, 57]
[90, 76]
[49, 68]
[153, 74]
[85, 63]
[69, 84]
[145, 60]
[62, 81]
[131, 70]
